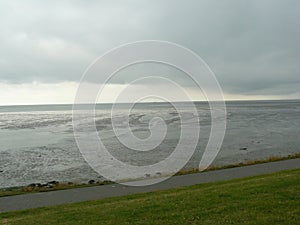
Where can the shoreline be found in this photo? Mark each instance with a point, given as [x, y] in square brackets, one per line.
[56, 185]
[61, 197]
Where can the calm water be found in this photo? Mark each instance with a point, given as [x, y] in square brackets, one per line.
[37, 142]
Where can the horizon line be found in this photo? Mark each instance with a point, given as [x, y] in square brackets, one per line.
[107, 103]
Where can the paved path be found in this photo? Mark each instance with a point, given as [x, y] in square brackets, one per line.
[36, 200]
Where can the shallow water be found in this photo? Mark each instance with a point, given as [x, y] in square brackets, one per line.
[37, 142]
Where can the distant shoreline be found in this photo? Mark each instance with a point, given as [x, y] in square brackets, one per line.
[111, 103]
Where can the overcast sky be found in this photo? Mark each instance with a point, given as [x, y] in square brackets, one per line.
[45, 46]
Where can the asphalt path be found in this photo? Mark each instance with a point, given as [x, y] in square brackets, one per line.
[36, 200]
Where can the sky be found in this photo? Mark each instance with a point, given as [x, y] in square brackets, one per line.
[45, 46]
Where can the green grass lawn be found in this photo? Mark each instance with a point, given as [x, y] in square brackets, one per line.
[268, 199]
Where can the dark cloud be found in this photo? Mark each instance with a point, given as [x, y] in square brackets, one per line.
[252, 46]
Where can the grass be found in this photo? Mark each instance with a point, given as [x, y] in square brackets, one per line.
[26, 190]
[265, 199]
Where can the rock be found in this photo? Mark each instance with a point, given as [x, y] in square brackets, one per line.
[49, 185]
[31, 185]
[148, 175]
[53, 182]
[91, 182]
[158, 173]
[244, 149]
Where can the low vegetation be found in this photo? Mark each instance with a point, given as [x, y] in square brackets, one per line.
[246, 163]
[58, 186]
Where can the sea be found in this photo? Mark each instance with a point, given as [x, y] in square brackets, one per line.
[37, 143]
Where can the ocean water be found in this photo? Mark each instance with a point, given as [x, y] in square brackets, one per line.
[37, 143]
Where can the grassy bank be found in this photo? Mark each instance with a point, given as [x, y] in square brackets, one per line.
[62, 186]
[246, 163]
[266, 199]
